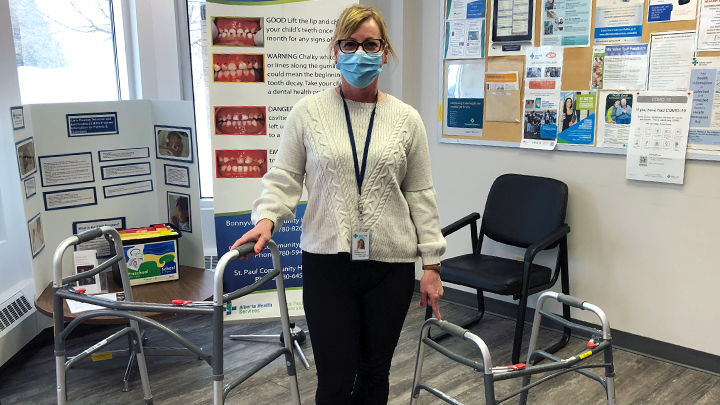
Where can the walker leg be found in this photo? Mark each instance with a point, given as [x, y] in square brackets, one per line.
[128, 371]
[61, 383]
[610, 376]
[301, 355]
[142, 366]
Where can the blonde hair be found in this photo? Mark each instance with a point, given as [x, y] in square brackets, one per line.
[352, 17]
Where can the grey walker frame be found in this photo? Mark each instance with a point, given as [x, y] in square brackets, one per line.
[127, 310]
[492, 374]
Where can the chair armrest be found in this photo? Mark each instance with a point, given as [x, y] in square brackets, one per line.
[459, 224]
[546, 241]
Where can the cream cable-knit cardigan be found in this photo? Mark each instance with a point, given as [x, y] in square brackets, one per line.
[399, 201]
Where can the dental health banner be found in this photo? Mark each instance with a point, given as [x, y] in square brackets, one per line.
[263, 57]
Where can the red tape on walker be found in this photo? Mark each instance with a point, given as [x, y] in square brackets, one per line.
[78, 290]
[591, 344]
[518, 366]
[181, 302]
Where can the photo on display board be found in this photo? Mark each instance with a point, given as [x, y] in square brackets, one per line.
[173, 143]
[88, 280]
[553, 71]
[548, 28]
[179, 213]
[618, 108]
[534, 72]
[540, 124]
[240, 121]
[238, 68]
[26, 157]
[597, 71]
[237, 31]
[37, 238]
[240, 164]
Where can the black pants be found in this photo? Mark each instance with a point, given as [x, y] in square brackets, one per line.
[355, 313]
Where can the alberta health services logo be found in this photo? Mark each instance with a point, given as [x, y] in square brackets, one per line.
[700, 64]
[549, 55]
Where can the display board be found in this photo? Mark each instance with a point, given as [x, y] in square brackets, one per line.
[576, 76]
[85, 165]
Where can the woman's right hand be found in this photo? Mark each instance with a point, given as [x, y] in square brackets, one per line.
[260, 234]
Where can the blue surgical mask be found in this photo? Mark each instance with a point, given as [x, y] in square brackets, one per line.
[359, 68]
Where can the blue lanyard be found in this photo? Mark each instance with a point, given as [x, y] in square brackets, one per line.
[359, 172]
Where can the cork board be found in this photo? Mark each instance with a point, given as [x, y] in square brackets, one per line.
[575, 72]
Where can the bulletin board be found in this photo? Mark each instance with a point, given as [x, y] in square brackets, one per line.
[576, 73]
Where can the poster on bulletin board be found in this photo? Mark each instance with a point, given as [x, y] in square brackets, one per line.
[464, 99]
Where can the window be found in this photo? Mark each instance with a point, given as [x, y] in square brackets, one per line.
[65, 50]
[198, 58]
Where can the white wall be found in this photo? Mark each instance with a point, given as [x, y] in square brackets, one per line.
[643, 252]
[15, 264]
[155, 47]
[14, 243]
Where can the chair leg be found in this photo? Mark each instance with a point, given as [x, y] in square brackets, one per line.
[472, 321]
[428, 312]
[567, 332]
[519, 327]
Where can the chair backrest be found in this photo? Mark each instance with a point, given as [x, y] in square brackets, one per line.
[522, 209]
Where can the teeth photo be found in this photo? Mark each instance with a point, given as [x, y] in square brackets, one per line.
[240, 164]
[237, 31]
[238, 68]
[240, 121]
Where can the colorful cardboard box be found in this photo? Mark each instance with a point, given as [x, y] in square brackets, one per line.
[151, 253]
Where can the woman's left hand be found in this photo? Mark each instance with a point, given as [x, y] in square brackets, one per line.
[431, 290]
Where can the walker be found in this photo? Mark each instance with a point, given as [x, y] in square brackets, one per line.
[492, 374]
[128, 308]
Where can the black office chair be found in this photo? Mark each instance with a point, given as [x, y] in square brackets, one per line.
[522, 211]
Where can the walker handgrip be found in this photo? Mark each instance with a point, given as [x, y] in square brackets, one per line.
[245, 249]
[570, 300]
[90, 234]
[452, 329]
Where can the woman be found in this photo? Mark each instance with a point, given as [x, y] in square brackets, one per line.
[569, 115]
[366, 160]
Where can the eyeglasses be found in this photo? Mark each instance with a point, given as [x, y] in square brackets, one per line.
[368, 45]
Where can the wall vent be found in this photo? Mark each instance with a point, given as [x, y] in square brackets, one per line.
[211, 262]
[12, 311]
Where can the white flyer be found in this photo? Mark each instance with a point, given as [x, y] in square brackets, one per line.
[463, 9]
[619, 67]
[465, 39]
[86, 260]
[704, 136]
[77, 306]
[618, 21]
[543, 70]
[709, 25]
[615, 113]
[659, 136]
[565, 23]
[669, 56]
[671, 10]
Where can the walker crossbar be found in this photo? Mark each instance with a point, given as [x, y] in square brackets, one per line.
[135, 306]
[557, 366]
[127, 310]
[145, 321]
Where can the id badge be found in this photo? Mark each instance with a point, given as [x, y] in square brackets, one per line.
[360, 246]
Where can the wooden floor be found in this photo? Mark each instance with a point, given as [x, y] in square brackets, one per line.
[184, 380]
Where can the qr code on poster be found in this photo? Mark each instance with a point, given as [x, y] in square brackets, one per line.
[643, 160]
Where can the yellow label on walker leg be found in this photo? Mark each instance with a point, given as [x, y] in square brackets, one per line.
[586, 354]
[101, 356]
